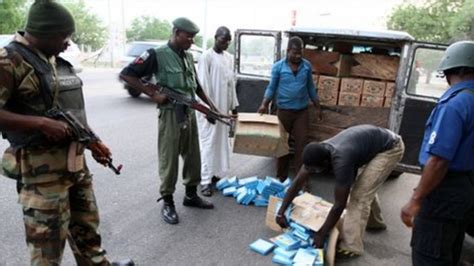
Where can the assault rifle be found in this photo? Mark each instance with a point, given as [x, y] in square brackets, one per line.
[81, 133]
[211, 115]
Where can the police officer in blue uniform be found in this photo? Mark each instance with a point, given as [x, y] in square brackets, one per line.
[442, 205]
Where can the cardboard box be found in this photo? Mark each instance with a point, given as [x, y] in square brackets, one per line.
[387, 102]
[371, 101]
[311, 212]
[349, 99]
[260, 135]
[323, 62]
[352, 85]
[328, 97]
[328, 83]
[372, 87]
[390, 89]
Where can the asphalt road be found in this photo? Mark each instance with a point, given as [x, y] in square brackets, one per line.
[131, 225]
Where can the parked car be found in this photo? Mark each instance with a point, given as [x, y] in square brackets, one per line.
[72, 53]
[135, 49]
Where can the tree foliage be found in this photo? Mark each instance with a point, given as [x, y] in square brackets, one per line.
[148, 28]
[12, 15]
[89, 28]
[462, 25]
[431, 21]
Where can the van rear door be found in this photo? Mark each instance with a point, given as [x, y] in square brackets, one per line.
[422, 87]
[255, 53]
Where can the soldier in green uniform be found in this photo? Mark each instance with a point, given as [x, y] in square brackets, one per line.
[173, 67]
[53, 182]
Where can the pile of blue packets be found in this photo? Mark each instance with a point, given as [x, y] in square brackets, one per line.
[252, 189]
[293, 247]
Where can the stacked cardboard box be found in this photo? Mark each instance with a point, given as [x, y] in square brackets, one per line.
[328, 89]
[350, 92]
[373, 93]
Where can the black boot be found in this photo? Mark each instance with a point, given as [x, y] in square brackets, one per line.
[127, 262]
[193, 200]
[168, 212]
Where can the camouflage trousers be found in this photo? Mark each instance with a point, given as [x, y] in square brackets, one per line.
[60, 210]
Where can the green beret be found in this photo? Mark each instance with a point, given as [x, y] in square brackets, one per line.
[46, 17]
[186, 25]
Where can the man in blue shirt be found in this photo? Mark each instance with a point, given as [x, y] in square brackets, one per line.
[442, 205]
[292, 87]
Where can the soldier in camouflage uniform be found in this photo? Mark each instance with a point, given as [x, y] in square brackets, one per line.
[54, 184]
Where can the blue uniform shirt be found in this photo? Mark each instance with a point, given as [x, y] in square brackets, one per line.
[292, 91]
[449, 131]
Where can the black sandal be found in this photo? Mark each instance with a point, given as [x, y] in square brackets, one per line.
[207, 190]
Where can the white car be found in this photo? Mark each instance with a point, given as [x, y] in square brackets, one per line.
[72, 53]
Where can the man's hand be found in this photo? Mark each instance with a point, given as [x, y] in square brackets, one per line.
[159, 98]
[409, 211]
[281, 221]
[319, 113]
[54, 130]
[100, 152]
[318, 240]
[152, 90]
[263, 109]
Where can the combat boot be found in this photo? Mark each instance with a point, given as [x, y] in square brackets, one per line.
[168, 212]
[193, 200]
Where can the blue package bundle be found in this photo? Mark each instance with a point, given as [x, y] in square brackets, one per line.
[287, 241]
[271, 186]
[246, 196]
[234, 181]
[300, 231]
[308, 256]
[287, 182]
[223, 183]
[319, 261]
[251, 194]
[260, 186]
[229, 191]
[277, 259]
[289, 254]
[241, 193]
[249, 182]
[260, 201]
[262, 247]
[280, 194]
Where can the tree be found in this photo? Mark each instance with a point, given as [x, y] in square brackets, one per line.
[148, 28]
[429, 22]
[89, 28]
[13, 15]
[462, 25]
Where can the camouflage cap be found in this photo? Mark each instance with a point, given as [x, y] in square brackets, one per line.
[186, 25]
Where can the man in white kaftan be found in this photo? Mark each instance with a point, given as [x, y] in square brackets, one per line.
[215, 73]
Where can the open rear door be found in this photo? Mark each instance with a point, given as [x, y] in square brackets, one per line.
[255, 53]
[422, 88]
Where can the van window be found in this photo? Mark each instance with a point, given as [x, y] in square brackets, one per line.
[256, 54]
[424, 78]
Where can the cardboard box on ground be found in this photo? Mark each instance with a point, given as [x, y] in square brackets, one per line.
[309, 211]
[260, 135]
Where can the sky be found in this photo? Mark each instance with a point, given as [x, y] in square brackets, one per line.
[248, 14]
